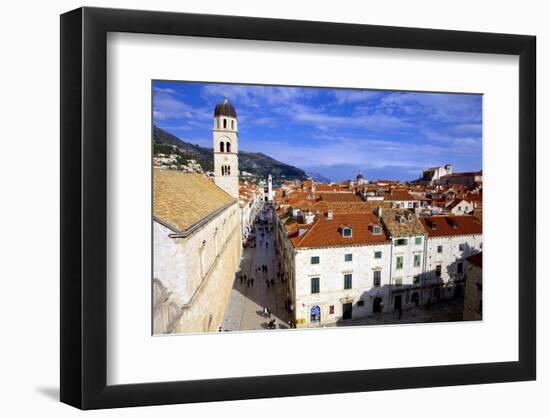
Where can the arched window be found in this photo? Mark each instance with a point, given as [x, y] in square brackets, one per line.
[225, 123]
[228, 170]
[217, 123]
[232, 124]
[221, 146]
[315, 314]
[228, 147]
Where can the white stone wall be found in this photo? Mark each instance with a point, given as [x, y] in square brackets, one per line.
[407, 252]
[464, 207]
[331, 271]
[449, 258]
[186, 269]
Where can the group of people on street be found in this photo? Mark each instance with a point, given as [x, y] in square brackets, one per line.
[243, 278]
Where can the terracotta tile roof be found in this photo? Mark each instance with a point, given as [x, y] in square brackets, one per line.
[454, 202]
[398, 195]
[339, 197]
[325, 187]
[327, 232]
[411, 225]
[180, 199]
[474, 198]
[476, 259]
[451, 225]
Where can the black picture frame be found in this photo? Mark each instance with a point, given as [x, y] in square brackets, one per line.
[84, 207]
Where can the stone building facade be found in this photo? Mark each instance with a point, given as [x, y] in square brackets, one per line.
[451, 239]
[197, 249]
[473, 309]
[351, 263]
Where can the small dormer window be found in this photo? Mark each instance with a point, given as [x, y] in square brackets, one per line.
[376, 230]
[346, 232]
[402, 220]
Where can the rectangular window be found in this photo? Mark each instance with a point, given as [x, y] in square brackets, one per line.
[459, 267]
[398, 281]
[416, 279]
[462, 246]
[418, 240]
[314, 260]
[348, 257]
[438, 270]
[377, 278]
[347, 281]
[416, 260]
[439, 249]
[315, 285]
[346, 232]
[400, 242]
[331, 310]
[377, 255]
[399, 262]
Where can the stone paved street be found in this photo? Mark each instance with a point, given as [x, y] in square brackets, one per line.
[441, 312]
[245, 308]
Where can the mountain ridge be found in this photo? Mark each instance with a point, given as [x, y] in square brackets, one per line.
[257, 164]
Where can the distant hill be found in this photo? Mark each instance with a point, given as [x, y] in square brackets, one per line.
[255, 163]
[315, 176]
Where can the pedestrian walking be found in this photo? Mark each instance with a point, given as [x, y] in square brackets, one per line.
[251, 282]
[248, 283]
[267, 283]
[272, 282]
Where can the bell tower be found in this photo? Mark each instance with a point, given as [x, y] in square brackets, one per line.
[226, 147]
[269, 188]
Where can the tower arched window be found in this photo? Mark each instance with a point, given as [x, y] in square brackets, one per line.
[232, 124]
[217, 123]
[228, 147]
[221, 147]
[225, 123]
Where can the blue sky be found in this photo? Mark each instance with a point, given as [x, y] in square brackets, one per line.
[335, 132]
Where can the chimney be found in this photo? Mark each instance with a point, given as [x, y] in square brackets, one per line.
[329, 214]
[309, 217]
[378, 212]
